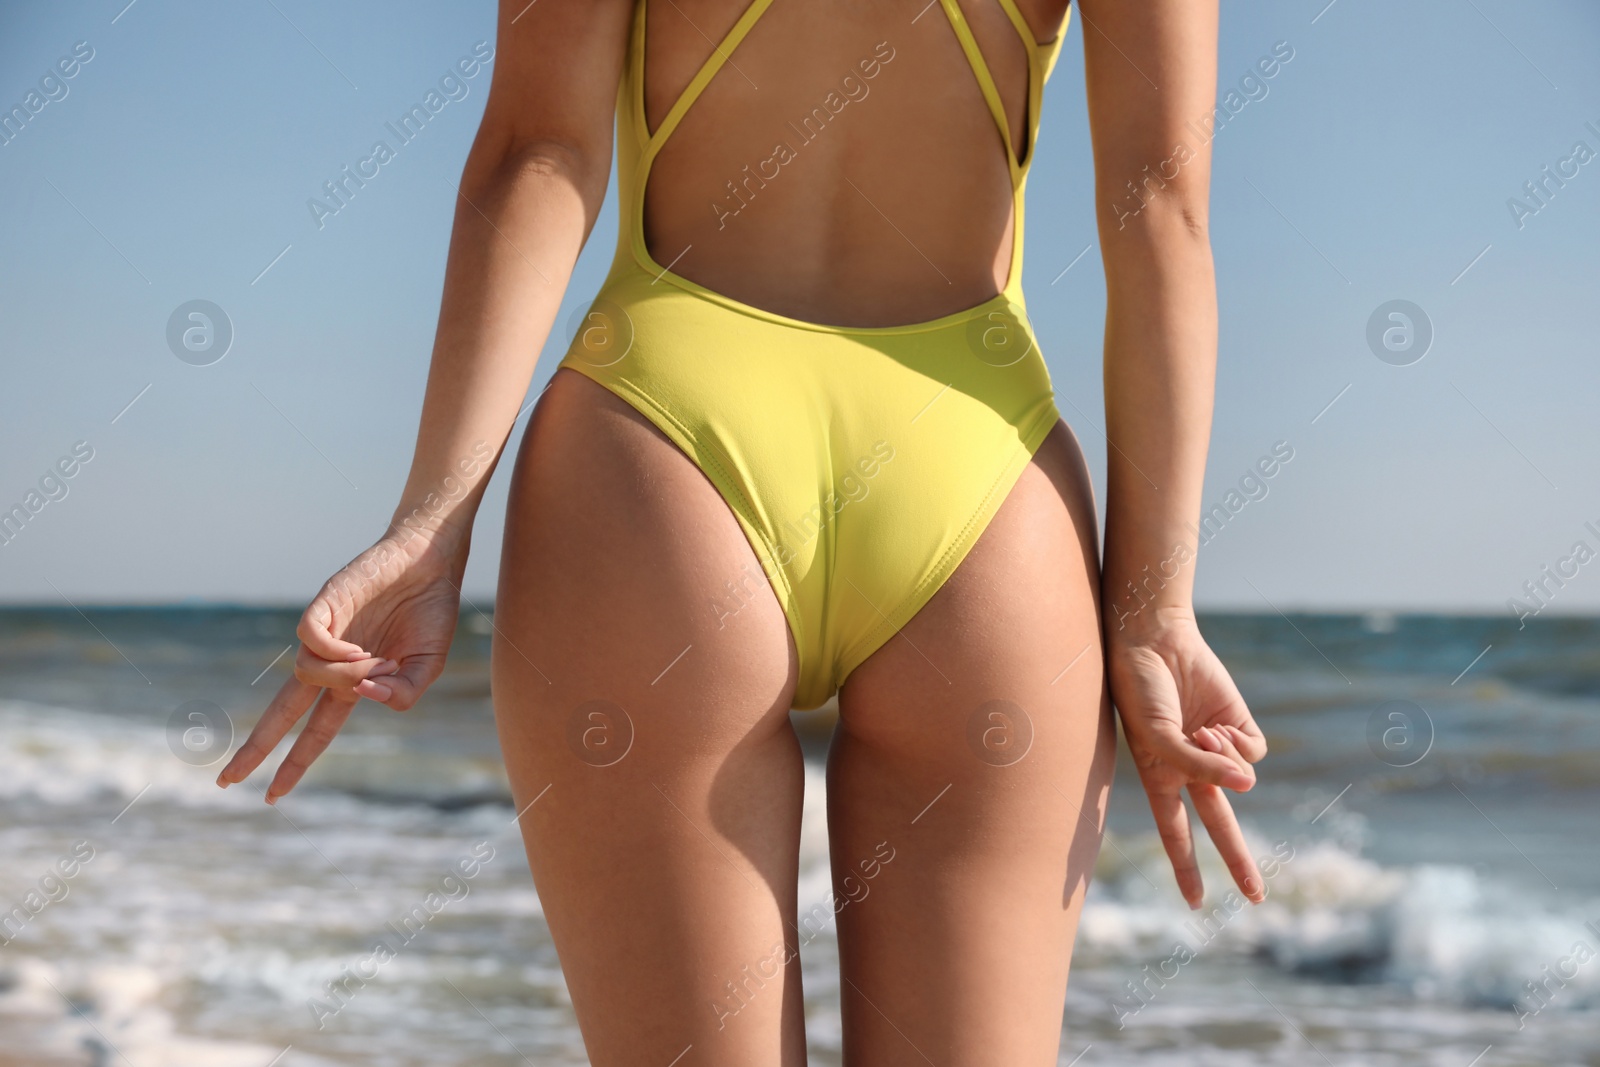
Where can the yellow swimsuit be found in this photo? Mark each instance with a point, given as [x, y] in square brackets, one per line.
[862, 462]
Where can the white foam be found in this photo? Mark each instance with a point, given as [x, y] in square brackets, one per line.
[66, 756]
[1441, 932]
[63, 756]
[114, 1010]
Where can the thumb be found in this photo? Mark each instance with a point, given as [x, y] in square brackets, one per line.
[1152, 712]
[401, 690]
[1232, 717]
[1167, 743]
[315, 632]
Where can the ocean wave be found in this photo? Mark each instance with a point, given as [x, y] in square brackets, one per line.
[111, 1011]
[68, 756]
[64, 756]
[1439, 932]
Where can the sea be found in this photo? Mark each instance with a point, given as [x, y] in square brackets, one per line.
[1429, 808]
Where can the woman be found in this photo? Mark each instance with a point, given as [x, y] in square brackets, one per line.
[803, 442]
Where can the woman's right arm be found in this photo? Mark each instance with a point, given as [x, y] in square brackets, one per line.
[528, 198]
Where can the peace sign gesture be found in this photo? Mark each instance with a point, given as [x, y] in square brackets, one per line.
[1188, 728]
[380, 628]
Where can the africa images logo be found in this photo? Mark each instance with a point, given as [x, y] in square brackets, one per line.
[453, 86]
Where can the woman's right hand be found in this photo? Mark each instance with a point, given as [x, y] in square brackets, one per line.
[380, 628]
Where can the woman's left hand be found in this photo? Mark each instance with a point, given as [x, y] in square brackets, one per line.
[1187, 727]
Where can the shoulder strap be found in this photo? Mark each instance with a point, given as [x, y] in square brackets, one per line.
[980, 70]
[708, 70]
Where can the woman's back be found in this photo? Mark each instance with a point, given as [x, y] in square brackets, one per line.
[842, 164]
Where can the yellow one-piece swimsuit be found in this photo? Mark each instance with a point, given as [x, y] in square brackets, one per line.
[861, 462]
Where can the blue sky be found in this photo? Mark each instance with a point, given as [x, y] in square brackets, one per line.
[1377, 167]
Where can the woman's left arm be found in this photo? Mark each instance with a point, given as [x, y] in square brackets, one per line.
[1151, 73]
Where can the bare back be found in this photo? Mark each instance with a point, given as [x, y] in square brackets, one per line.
[842, 166]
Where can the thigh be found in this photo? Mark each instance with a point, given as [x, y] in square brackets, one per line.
[966, 789]
[643, 715]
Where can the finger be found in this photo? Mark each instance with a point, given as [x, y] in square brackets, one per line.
[291, 702]
[315, 632]
[1235, 713]
[1247, 738]
[338, 674]
[1167, 743]
[326, 718]
[400, 691]
[1211, 804]
[1214, 739]
[1172, 823]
